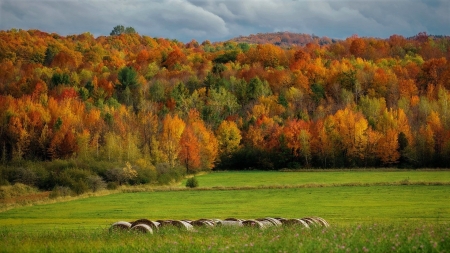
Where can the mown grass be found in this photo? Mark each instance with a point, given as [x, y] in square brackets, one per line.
[338, 205]
[368, 212]
[374, 237]
[320, 178]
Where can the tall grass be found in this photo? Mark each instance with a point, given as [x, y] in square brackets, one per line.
[374, 237]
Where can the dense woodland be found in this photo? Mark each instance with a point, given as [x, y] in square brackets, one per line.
[151, 105]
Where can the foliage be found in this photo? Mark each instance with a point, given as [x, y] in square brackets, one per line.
[120, 29]
[192, 182]
[325, 103]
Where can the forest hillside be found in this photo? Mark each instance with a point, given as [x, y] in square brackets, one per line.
[152, 106]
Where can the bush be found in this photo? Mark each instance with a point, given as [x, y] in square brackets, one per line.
[60, 191]
[167, 175]
[192, 182]
[79, 187]
[96, 183]
[112, 185]
[144, 176]
[16, 190]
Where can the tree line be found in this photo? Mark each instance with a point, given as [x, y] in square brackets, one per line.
[159, 103]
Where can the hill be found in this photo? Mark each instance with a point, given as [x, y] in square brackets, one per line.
[284, 39]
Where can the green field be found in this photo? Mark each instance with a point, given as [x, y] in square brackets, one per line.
[340, 205]
[376, 202]
[325, 177]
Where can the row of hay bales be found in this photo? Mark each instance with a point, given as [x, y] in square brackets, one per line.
[149, 226]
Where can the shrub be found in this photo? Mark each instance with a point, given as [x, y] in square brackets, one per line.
[121, 175]
[192, 182]
[60, 191]
[112, 185]
[24, 176]
[96, 183]
[166, 174]
[79, 187]
[16, 190]
[144, 176]
[146, 172]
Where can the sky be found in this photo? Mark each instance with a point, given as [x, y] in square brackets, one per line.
[220, 20]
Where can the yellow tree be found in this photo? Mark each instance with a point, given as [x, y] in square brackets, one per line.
[321, 142]
[229, 137]
[351, 127]
[387, 147]
[172, 130]
[434, 122]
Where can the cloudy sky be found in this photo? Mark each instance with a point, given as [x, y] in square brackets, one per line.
[218, 20]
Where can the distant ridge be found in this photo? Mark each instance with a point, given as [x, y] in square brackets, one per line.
[284, 39]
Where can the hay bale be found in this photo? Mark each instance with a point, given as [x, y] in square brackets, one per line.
[254, 223]
[233, 219]
[290, 222]
[142, 228]
[272, 221]
[229, 223]
[322, 221]
[312, 221]
[164, 223]
[280, 219]
[182, 225]
[203, 223]
[120, 226]
[153, 224]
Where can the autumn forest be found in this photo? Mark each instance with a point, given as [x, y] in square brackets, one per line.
[153, 106]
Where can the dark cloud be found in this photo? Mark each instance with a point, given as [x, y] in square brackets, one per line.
[223, 19]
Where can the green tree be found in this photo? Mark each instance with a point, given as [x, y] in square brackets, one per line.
[128, 90]
[120, 29]
[117, 30]
[257, 88]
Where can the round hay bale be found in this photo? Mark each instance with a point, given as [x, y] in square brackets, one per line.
[233, 219]
[164, 223]
[153, 224]
[182, 225]
[274, 222]
[280, 219]
[290, 222]
[120, 226]
[229, 223]
[203, 223]
[142, 228]
[311, 221]
[254, 223]
[322, 221]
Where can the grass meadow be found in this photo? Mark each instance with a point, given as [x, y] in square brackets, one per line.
[369, 211]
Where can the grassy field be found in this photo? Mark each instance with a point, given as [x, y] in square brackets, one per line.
[367, 210]
[325, 177]
[338, 205]
[405, 237]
